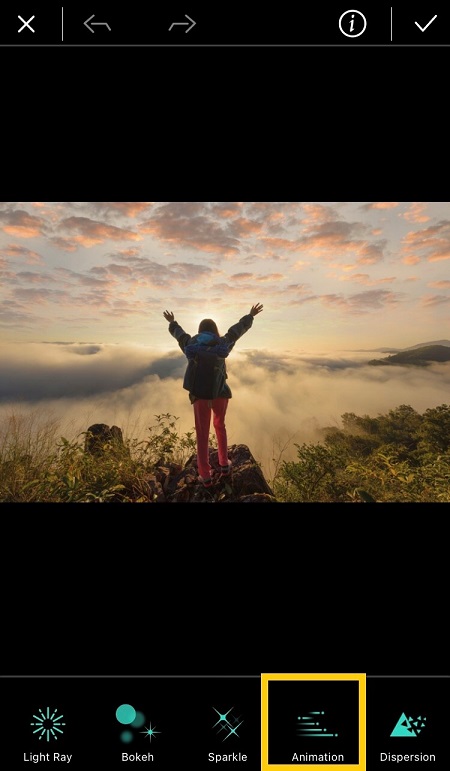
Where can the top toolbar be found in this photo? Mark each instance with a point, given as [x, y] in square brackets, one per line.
[284, 24]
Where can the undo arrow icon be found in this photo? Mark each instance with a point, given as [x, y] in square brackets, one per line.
[95, 23]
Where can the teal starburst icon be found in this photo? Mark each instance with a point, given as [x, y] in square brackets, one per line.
[48, 724]
[228, 725]
[150, 732]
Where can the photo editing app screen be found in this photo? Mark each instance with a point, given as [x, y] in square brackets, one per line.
[267, 722]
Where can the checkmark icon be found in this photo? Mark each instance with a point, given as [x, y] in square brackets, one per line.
[422, 29]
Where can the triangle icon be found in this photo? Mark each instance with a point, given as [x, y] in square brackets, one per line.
[403, 727]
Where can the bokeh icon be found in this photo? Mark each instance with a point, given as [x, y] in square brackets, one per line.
[127, 715]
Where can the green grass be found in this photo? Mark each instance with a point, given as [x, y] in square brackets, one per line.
[37, 464]
[402, 456]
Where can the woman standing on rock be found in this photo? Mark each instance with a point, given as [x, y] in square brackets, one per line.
[205, 379]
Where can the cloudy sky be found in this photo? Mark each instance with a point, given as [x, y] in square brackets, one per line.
[331, 275]
[84, 285]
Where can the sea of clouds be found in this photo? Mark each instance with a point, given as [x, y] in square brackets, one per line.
[279, 399]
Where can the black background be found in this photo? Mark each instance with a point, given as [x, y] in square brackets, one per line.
[290, 698]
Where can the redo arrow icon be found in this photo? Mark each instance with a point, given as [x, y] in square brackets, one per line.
[190, 24]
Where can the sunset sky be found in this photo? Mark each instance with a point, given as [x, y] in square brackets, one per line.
[330, 275]
[84, 286]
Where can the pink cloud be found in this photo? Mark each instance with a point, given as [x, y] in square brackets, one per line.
[189, 224]
[316, 213]
[272, 242]
[127, 208]
[20, 223]
[415, 213]
[440, 284]
[21, 252]
[244, 227]
[35, 278]
[41, 296]
[91, 232]
[432, 243]
[433, 300]
[330, 239]
[270, 277]
[125, 254]
[227, 210]
[357, 304]
[382, 205]
[64, 243]
[242, 276]
[410, 260]
[364, 278]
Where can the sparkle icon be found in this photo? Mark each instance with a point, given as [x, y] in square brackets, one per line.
[227, 723]
[150, 732]
[48, 725]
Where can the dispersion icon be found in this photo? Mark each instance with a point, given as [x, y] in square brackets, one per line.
[409, 726]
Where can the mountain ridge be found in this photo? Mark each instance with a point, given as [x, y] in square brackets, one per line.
[417, 356]
[391, 349]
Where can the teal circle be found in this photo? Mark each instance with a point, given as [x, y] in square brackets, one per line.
[125, 714]
[126, 737]
[139, 720]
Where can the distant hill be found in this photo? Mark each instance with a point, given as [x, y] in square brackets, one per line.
[391, 349]
[426, 345]
[419, 356]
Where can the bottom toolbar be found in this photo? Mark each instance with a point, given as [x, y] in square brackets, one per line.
[269, 721]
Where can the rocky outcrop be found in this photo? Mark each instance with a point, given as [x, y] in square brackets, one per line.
[173, 483]
[99, 434]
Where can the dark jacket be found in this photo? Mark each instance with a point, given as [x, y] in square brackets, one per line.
[224, 345]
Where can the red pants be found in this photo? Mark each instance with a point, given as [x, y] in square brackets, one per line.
[202, 413]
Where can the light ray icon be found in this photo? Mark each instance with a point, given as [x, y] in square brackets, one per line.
[48, 725]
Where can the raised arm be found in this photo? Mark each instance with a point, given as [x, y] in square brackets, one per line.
[176, 331]
[243, 325]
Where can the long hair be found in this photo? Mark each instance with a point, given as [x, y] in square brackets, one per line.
[208, 325]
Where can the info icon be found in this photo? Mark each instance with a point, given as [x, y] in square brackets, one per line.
[313, 720]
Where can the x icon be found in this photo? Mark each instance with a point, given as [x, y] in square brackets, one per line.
[25, 23]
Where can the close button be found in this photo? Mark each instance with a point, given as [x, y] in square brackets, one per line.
[26, 24]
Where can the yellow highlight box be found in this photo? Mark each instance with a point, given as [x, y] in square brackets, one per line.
[360, 765]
